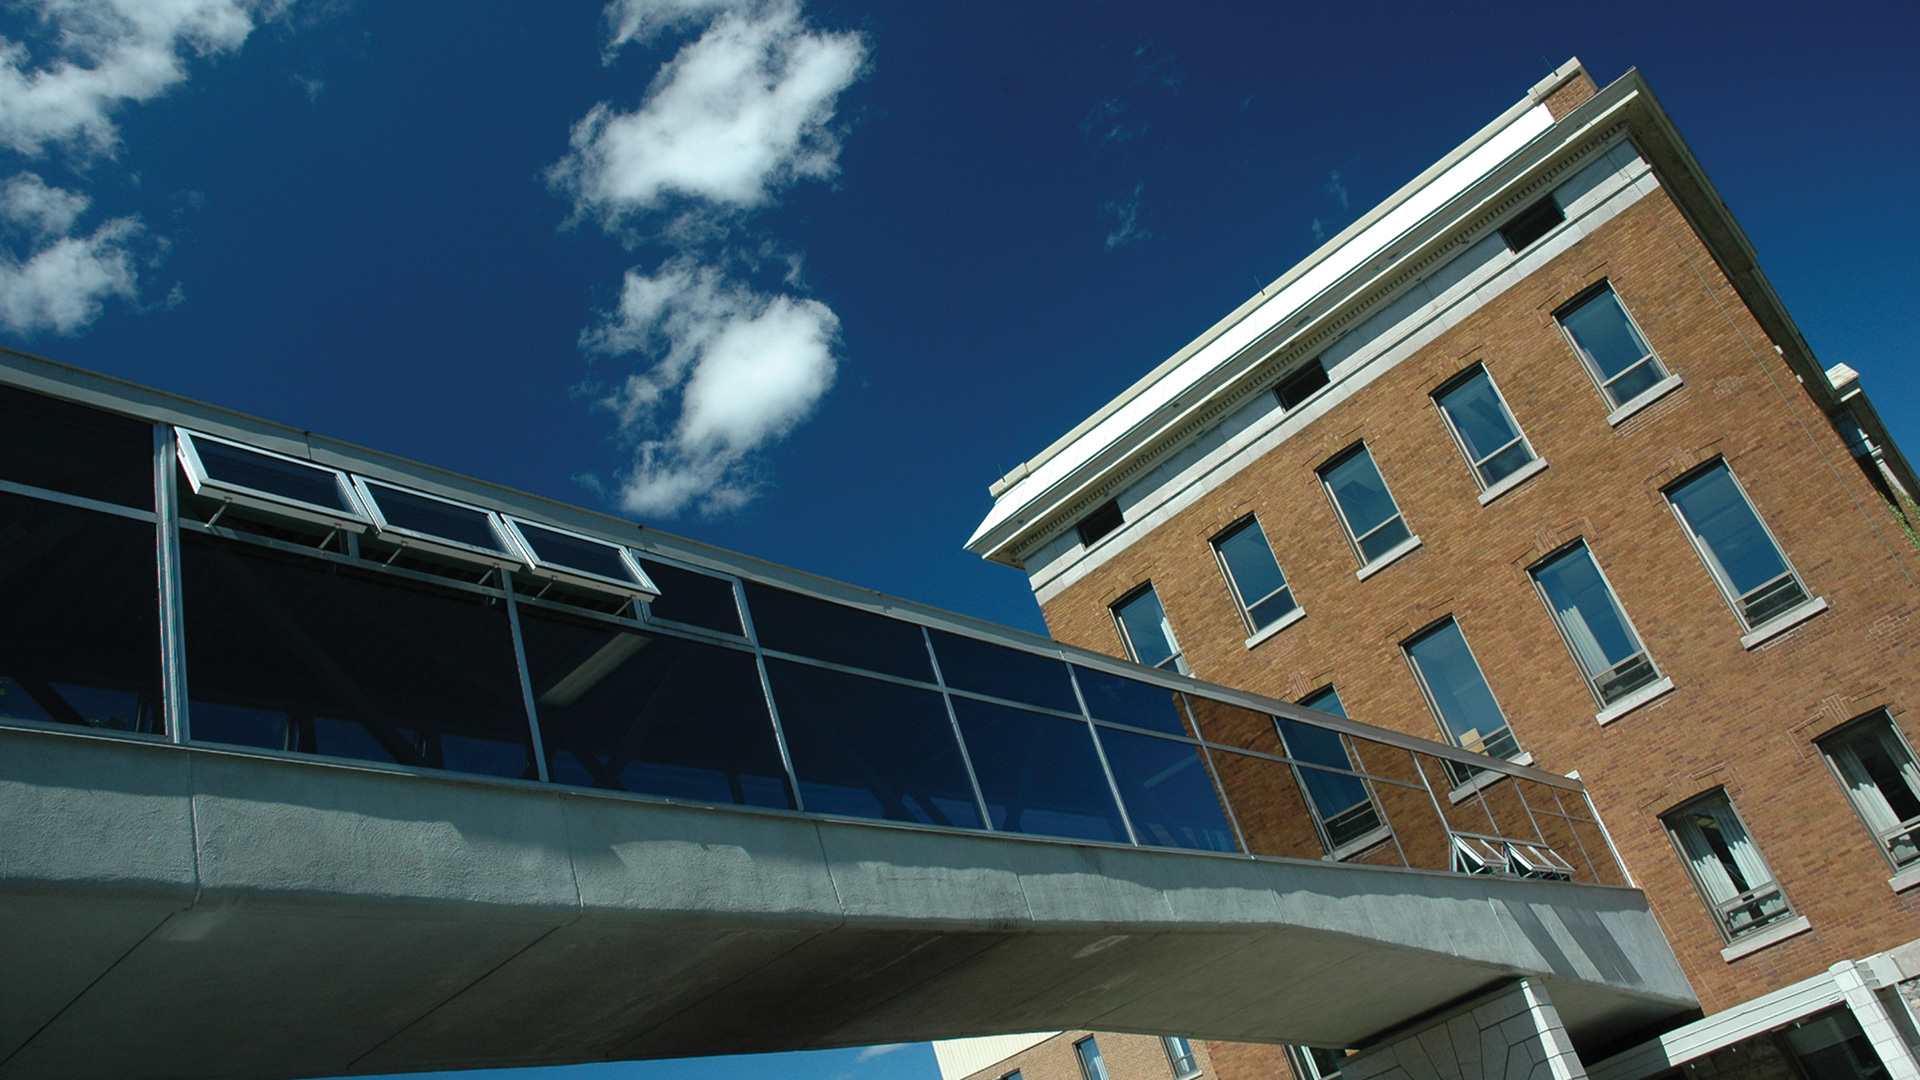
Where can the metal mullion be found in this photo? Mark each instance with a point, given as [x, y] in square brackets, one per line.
[173, 629]
[975, 695]
[526, 678]
[1284, 759]
[1392, 832]
[1607, 835]
[953, 717]
[1362, 538]
[1113, 786]
[1213, 772]
[1608, 384]
[375, 568]
[766, 688]
[881, 676]
[78, 501]
[1504, 447]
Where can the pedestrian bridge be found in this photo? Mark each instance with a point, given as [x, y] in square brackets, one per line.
[314, 761]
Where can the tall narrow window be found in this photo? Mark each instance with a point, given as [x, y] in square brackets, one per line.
[1180, 1056]
[1253, 575]
[1091, 1065]
[1879, 773]
[1340, 801]
[1483, 427]
[1366, 508]
[1145, 631]
[1734, 543]
[1593, 624]
[1732, 877]
[1610, 344]
[1458, 692]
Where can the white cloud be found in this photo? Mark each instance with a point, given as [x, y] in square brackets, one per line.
[871, 1052]
[104, 53]
[64, 281]
[1125, 212]
[1337, 189]
[637, 22]
[735, 116]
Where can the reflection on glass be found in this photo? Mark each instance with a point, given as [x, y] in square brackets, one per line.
[1346, 811]
[79, 617]
[1736, 547]
[1367, 509]
[431, 517]
[568, 552]
[872, 749]
[60, 446]
[1039, 774]
[1168, 794]
[696, 599]
[1487, 432]
[1146, 632]
[1128, 701]
[238, 467]
[1459, 693]
[294, 654]
[997, 671]
[1258, 585]
[791, 623]
[665, 716]
[1612, 347]
[1589, 615]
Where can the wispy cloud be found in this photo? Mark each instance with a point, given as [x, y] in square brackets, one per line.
[722, 367]
[1103, 124]
[871, 1052]
[1125, 212]
[1337, 189]
[1318, 230]
[1157, 67]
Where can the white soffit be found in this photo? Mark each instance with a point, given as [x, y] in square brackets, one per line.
[1148, 400]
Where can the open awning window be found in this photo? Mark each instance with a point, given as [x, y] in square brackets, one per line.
[243, 475]
[582, 560]
[426, 522]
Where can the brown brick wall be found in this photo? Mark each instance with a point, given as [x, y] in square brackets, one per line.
[1571, 94]
[1742, 719]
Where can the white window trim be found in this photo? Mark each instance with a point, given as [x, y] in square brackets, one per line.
[1658, 688]
[1515, 479]
[1367, 569]
[1257, 634]
[1388, 557]
[1278, 625]
[1772, 935]
[639, 587]
[1505, 483]
[1647, 397]
[1905, 879]
[1364, 842]
[201, 482]
[1784, 621]
[510, 557]
[1179, 658]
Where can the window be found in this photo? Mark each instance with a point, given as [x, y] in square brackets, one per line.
[582, 560]
[1340, 801]
[1739, 551]
[1615, 353]
[1301, 384]
[1531, 224]
[246, 476]
[1253, 575]
[1365, 507]
[1483, 427]
[1313, 1063]
[1145, 631]
[1877, 769]
[1105, 518]
[1180, 1056]
[1594, 626]
[1458, 693]
[693, 598]
[1014, 1075]
[1732, 877]
[431, 523]
[1091, 1066]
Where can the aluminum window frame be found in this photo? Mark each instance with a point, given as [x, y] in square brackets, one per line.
[1252, 521]
[1174, 1060]
[1179, 658]
[1882, 838]
[1340, 512]
[1592, 678]
[510, 557]
[1382, 829]
[1600, 382]
[203, 483]
[1457, 772]
[1092, 1066]
[1459, 441]
[1718, 911]
[1711, 561]
[641, 588]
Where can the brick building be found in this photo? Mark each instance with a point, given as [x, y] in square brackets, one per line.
[1532, 456]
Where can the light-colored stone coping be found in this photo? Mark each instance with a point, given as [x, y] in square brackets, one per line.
[1646, 397]
[1284, 621]
[1772, 935]
[1657, 688]
[1387, 558]
[1784, 622]
[1520, 476]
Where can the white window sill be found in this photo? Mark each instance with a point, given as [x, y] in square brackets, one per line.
[1784, 622]
[1524, 473]
[1359, 844]
[1772, 935]
[1487, 778]
[1387, 558]
[1657, 688]
[1905, 879]
[1284, 621]
[1647, 397]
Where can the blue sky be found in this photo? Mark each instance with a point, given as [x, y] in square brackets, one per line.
[801, 278]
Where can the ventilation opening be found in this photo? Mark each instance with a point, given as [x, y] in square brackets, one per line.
[1302, 384]
[1532, 223]
[1102, 521]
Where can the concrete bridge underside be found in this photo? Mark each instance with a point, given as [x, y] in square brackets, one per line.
[171, 911]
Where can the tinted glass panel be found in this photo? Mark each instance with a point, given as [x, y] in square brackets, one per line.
[1486, 429]
[1333, 792]
[1371, 515]
[660, 715]
[573, 553]
[304, 655]
[1126, 701]
[1301, 385]
[79, 622]
[1460, 693]
[693, 598]
[1532, 223]
[309, 484]
[431, 517]
[1168, 793]
[1039, 774]
[789, 622]
[1149, 634]
[970, 664]
[871, 749]
[1728, 528]
[53, 444]
[1105, 518]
